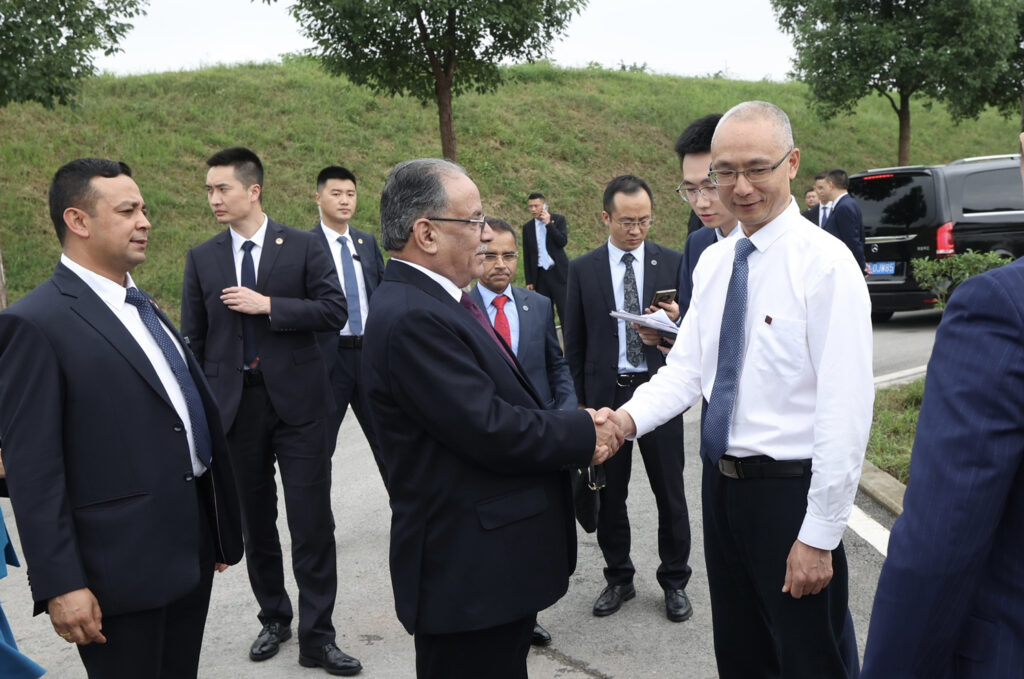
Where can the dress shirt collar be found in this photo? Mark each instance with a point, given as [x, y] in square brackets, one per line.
[735, 233]
[487, 296]
[257, 238]
[331, 234]
[112, 294]
[773, 230]
[449, 287]
[615, 254]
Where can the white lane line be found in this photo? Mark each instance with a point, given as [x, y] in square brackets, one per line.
[875, 533]
[899, 375]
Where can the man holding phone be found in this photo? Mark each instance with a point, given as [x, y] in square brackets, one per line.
[544, 240]
[608, 361]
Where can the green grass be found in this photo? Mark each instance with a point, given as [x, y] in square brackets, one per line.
[564, 132]
[893, 428]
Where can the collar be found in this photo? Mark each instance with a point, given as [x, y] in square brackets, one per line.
[111, 293]
[487, 296]
[735, 233]
[616, 253]
[332, 234]
[773, 230]
[449, 287]
[257, 238]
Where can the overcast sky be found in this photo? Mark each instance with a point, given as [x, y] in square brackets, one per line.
[739, 38]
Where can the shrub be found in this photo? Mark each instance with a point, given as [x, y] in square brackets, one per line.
[941, 276]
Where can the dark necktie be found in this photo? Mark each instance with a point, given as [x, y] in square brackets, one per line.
[250, 353]
[714, 440]
[501, 320]
[631, 304]
[824, 215]
[348, 274]
[193, 401]
[467, 302]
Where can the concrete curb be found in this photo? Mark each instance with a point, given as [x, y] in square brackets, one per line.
[876, 484]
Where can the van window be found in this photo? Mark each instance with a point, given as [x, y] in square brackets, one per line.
[901, 199]
[993, 191]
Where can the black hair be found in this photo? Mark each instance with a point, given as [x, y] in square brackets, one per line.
[246, 164]
[334, 172]
[627, 184]
[696, 138]
[72, 187]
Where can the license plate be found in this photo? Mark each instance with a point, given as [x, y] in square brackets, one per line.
[882, 268]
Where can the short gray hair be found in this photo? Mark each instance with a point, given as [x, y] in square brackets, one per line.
[414, 189]
[762, 110]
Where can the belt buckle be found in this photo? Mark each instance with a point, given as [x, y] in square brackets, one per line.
[730, 469]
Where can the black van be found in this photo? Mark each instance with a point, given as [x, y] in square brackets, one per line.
[935, 211]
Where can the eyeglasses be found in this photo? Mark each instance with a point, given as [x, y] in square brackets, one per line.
[753, 174]
[482, 221]
[629, 224]
[508, 257]
[689, 195]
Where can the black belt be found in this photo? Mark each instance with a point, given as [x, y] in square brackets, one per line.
[350, 341]
[252, 378]
[762, 467]
[631, 379]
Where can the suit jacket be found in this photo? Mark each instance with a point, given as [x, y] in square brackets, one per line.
[305, 298]
[811, 214]
[558, 236]
[591, 335]
[540, 354]
[482, 528]
[847, 224]
[696, 243]
[97, 459]
[372, 263]
[950, 600]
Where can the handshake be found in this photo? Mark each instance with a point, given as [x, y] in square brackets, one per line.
[612, 427]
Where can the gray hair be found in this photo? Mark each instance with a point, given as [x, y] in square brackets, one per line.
[762, 110]
[414, 189]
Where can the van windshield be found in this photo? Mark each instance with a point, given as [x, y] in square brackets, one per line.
[904, 199]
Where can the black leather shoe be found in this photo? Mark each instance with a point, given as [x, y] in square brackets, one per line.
[269, 641]
[612, 597]
[540, 636]
[677, 605]
[332, 659]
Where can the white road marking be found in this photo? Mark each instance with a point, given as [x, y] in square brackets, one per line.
[875, 533]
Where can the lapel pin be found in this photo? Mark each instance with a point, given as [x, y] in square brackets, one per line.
[279, 240]
[654, 262]
[768, 320]
[526, 308]
[360, 241]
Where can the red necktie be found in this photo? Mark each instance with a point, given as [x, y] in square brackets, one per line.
[501, 320]
[481, 318]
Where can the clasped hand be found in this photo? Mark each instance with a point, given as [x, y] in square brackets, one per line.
[610, 435]
[245, 300]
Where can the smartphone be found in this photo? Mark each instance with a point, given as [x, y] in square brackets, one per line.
[663, 296]
[545, 207]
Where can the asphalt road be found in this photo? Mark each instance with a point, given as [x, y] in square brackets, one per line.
[635, 643]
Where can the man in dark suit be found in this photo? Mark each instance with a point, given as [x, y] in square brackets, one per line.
[950, 600]
[360, 268]
[482, 528]
[844, 219]
[116, 461]
[608, 361]
[526, 322]
[812, 202]
[546, 264]
[255, 334]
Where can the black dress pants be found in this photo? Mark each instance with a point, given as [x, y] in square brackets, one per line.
[346, 382]
[760, 633]
[493, 653]
[662, 451]
[256, 439]
[552, 284]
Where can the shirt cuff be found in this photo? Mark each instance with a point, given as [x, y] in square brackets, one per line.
[821, 534]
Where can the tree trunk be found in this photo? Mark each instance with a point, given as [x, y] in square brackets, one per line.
[904, 143]
[3, 284]
[1022, 111]
[443, 89]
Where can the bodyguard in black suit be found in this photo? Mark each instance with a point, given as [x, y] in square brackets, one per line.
[255, 335]
[482, 528]
[608, 361]
[813, 204]
[116, 461]
[844, 220]
[545, 263]
[360, 268]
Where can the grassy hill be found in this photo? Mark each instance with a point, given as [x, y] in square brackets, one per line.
[564, 132]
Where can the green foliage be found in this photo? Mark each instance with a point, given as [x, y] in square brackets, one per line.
[951, 51]
[942, 275]
[299, 119]
[46, 48]
[893, 428]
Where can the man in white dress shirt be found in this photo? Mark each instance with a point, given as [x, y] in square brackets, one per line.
[789, 410]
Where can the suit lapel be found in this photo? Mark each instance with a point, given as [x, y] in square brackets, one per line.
[651, 255]
[97, 314]
[272, 242]
[226, 260]
[367, 258]
[529, 319]
[603, 275]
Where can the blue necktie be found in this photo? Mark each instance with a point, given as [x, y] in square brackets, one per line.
[824, 215]
[348, 274]
[250, 354]
[714, 440]
[193, 401]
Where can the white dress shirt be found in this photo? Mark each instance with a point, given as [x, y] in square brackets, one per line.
[511, 313]
[446, 283]
[544, 259]
[332, 240]
[257, 250]
[113, 295]
[825, 211]
[805, 388]
[619, 292]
